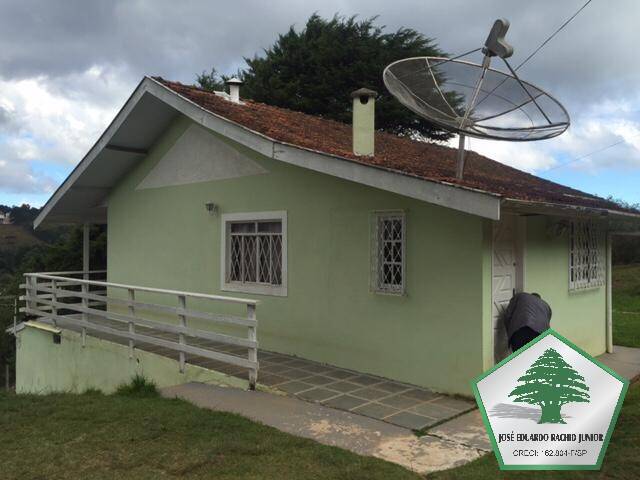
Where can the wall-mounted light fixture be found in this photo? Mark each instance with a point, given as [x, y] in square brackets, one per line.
[211, 207]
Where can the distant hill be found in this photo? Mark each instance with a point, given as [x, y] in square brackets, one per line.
[13, 237]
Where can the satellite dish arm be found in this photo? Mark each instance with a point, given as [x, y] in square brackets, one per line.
[515, 75]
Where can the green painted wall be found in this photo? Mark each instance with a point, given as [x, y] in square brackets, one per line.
[580, 315]
[44, 367]
[432, 336]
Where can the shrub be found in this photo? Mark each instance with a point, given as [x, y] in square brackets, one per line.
[139, 386]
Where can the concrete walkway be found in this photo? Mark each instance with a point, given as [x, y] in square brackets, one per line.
[449, 445]
[401, 404]
[624, 360]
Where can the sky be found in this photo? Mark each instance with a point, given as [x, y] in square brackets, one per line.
[67, 67]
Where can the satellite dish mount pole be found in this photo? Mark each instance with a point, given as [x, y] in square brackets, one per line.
[467, 98]
[465, 119]
[461, 152]
[494, 46]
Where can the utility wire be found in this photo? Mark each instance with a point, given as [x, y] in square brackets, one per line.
[564, 164]
[578, 159]
[456, 57]
[553, 35]
[532, 54]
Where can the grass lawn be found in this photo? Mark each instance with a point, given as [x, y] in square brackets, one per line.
[94, 436]
[626, 305]
[623, 456]
[622, 460]
[141, 436]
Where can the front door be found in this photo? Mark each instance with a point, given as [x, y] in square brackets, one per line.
[505, 271]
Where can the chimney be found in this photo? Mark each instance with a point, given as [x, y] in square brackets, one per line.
[364, 111]
[234, 89]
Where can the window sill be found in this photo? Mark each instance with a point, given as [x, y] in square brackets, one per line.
[389, 293]
[255, 288]
[574, 291]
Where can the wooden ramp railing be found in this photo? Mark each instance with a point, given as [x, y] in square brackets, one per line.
[74, 299]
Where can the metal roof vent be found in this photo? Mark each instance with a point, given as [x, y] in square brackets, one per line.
[234, 89]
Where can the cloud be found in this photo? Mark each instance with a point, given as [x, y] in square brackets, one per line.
[605, 138]
[56, 120]
[67, 67]
[19, 177]
[46, 124]
[524, 156]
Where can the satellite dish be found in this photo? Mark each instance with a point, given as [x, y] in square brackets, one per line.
[473, 99]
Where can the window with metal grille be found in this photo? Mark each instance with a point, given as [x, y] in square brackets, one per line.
[255, 252]
[586, 256]
[388, 252]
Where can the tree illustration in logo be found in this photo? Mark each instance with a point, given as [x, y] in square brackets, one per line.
[550, 383]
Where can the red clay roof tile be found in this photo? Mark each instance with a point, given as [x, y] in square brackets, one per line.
[424, 160]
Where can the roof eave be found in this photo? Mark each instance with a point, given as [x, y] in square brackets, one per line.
[97, 147]
[563, 209]
[468, 200]
[458, 197]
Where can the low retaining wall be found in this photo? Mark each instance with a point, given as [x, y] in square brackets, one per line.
[43, 366]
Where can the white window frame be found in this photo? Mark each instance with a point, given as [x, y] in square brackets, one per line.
[225, 259]
[594, 250]
[376, 285]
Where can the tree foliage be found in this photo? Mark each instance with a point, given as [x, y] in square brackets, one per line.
[315, 69]
[626, 248]
[60, 250]
[551, 383]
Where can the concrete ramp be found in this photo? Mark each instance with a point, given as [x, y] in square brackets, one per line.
[357, 433]
[624, 360]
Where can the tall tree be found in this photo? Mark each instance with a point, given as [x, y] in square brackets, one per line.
[314, 71]
[551, 383]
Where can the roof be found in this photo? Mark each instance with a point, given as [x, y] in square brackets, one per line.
[424, 171]
[428, 161]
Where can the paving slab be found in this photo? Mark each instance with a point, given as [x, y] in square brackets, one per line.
[393, 387]
[400, 401]
[274, 368]
[432, 410]
[295, 373]
[345, 402]
[318, 380]
[456, 404]
[375, 410]
[340, 374]
[411, 421]
[271, 380]
[318, 394]
[344, 386]
[294, 387]
[421, 394]
[370, 393]
[317, 368]
[365, 380]
[357, 433]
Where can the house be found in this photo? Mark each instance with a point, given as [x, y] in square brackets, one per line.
[361, 249]
[5, 218]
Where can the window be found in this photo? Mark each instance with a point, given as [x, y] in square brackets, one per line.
[388, 252]
[254, 250]
[586, 256]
